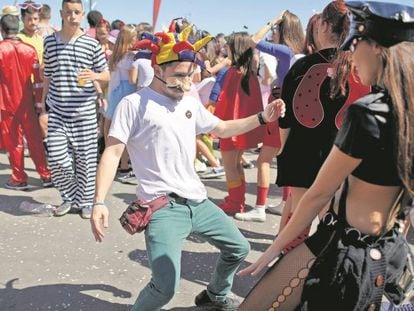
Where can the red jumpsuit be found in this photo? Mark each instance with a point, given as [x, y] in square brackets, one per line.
[18, 97]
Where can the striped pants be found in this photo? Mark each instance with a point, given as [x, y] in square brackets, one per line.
[72, 153]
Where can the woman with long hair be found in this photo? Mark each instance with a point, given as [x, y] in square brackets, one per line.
[311, 46]
[239, 97]
[317, 91]
[120, 63]
[373, 159]
[287, 45]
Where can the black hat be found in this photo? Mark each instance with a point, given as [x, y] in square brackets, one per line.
[385, 23]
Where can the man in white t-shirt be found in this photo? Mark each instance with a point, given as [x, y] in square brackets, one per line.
[158, 125]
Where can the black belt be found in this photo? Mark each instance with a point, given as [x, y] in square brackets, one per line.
[178, 199]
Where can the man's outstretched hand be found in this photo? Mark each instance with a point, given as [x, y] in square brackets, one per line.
[274, 110]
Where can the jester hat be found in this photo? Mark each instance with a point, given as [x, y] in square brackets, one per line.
[169, 47]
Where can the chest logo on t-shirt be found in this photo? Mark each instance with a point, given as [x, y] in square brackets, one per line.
[188, 114]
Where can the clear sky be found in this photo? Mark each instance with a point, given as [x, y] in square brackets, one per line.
[212, 15]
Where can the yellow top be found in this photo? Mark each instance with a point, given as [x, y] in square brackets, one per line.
[36, 41]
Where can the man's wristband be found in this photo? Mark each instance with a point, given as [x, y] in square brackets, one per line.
[99, 203]
[260, 118]
[100, 96]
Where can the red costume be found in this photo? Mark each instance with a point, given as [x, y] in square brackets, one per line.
[18, 98]
[234, 103]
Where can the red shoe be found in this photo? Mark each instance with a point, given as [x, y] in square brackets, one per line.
[231, 207]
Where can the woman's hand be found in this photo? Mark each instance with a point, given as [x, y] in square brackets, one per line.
[279, 18]
[263, 262]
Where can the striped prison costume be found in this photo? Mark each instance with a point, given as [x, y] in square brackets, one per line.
[72, 126]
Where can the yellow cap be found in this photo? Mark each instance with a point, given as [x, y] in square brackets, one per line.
[9, 10]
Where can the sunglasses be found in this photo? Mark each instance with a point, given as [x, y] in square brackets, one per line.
[103, 21]
[35, 6]
[275, 28]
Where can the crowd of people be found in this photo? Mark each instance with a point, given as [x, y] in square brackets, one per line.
[333, 103]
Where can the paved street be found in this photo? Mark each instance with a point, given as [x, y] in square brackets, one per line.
[50, 263]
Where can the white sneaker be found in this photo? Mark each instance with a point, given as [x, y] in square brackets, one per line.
[276, 209]
[200, 166]
[257, 214]
[214, 173]
[128, 178]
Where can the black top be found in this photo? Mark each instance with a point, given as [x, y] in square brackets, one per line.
[310, 116]
[368, 133]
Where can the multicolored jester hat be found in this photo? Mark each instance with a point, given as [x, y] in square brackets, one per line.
[170, 46]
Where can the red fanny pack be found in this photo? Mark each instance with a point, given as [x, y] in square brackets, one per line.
[138, 214]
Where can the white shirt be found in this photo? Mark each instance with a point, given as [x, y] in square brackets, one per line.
[160, 137]
[145, 71]
[121, 71]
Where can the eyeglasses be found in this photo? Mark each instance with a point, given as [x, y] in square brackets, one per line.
[354, 43]
[275, 28]
[35, 6]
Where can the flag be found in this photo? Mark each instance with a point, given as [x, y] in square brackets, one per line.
[156, 9]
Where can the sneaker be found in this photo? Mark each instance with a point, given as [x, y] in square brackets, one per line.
[203, 300]
[248, 165]
[256, 214]
[199, 166]
[63, 209]
[276, 209]
[16, 185]
[75, 209]
[214, 172]
[128, 178]
[86, 212]
[47, 182]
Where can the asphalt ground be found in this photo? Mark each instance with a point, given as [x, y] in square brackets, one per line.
[54, 263]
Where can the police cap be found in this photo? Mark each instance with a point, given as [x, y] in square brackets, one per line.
[385, 23]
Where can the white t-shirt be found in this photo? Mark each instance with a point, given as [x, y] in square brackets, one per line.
[145, 71]
[160, 137]
[121, 72]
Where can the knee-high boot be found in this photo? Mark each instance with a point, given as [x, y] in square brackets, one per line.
[234, 202]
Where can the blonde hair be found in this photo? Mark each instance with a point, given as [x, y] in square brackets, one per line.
[291, 32]
[122, 45]
[397, 74]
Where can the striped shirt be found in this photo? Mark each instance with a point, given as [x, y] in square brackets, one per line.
[62, 63]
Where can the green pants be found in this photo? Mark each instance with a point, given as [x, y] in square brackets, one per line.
[168, 229]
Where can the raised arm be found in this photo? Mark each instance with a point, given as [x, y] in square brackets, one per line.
[260, 34]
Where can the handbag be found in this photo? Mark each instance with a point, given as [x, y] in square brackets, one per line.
[353, 271]
[138, 214]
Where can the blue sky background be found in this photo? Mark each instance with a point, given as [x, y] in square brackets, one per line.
[212, 15]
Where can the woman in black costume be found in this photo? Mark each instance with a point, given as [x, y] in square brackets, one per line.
[372, 156]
